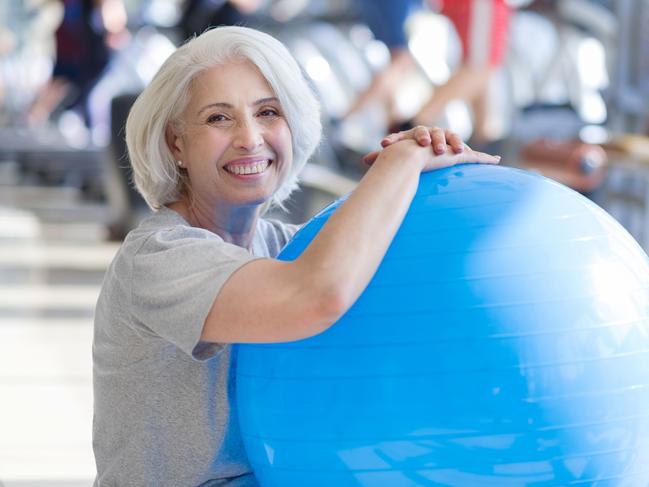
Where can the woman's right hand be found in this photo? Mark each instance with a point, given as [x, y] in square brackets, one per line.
[429, 160]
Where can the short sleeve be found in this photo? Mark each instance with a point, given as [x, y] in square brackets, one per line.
[176, 275]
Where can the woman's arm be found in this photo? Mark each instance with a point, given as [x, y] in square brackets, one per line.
[269, 300]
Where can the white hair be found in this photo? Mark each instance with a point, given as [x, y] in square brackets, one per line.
[161, 104]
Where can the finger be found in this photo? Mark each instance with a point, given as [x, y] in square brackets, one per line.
[455, 141]
[371, 157]
[475, 156]
[439, 141]
[391, 139]
[419, 133]
[422, 135]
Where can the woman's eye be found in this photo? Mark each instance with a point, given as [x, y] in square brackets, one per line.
[216, 118]
[269, 112]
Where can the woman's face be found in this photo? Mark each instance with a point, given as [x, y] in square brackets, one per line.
[236, 145]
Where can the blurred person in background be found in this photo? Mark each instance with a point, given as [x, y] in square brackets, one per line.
[482, 27]
[198, 15]
[89, 32]
[387, 20]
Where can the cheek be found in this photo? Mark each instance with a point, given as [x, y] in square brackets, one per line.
[285, 143]
[279, 138]
[205, 145]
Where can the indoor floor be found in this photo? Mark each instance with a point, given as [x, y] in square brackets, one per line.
[50, 274]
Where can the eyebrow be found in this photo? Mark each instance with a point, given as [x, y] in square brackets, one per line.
[261, 101]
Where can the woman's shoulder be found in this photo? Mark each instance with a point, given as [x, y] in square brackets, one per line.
[165, 230]
[169, 222]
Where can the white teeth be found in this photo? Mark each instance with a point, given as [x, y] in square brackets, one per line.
[253, 169]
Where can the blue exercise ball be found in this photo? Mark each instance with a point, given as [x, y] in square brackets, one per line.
[504, 341]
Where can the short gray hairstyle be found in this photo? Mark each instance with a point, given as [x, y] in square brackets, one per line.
[155, 172]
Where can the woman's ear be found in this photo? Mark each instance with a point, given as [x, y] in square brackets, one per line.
[174, 142]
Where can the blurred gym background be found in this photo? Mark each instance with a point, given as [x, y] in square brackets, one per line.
[571, 101]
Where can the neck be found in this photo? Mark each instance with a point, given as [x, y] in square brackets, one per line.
[235, 225]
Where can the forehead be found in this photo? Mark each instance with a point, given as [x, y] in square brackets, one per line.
[230, 81]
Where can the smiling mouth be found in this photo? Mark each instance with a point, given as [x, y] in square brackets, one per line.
[245, 169]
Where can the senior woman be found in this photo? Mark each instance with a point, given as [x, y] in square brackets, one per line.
[219, 135]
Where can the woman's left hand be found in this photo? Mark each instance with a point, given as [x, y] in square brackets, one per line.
[440, 140]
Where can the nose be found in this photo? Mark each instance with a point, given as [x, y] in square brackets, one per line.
[248, 135]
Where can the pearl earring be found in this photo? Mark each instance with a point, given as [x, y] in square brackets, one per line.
[180, 163]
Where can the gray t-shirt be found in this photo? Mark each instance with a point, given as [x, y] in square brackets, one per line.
[164, 411]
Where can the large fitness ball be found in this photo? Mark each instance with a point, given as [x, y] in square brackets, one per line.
[504, 341]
